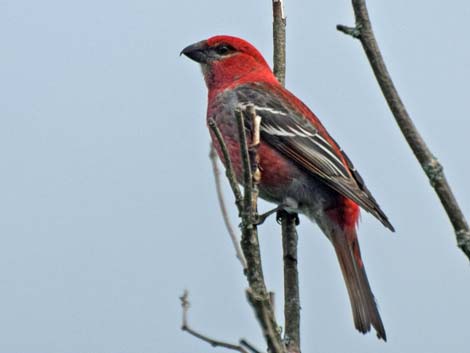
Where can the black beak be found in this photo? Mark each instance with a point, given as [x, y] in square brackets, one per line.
[196, 52]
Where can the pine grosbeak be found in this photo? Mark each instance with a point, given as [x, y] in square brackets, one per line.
[302, 167]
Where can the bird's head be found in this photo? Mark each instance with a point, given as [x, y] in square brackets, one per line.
[228, 61]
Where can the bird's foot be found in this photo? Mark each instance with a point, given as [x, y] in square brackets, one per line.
[283, 213]
[262, 217]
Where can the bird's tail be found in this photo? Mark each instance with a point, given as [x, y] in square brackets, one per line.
[364, 307]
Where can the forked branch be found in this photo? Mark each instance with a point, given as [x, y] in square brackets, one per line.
[431, 166]
[247, 205]
[213, 342]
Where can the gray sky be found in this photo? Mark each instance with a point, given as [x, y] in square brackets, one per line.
[107, 205]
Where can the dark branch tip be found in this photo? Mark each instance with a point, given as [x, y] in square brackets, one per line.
[354, 32]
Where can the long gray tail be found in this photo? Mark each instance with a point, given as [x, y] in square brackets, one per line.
[364, 307]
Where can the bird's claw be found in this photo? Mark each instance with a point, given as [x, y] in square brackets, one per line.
[283, 213]
[259, 220]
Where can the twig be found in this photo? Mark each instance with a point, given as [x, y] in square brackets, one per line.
[255, 121]
[246, 165]
[249, 346]
[288, 221]
[247, 207]
[265, 317]
[230, 173]
[257, 293]
[433, 169]
[291, 283]
[213, 342]
[223, 208]
[279, 41]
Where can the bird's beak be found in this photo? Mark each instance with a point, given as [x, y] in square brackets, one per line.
[196, 52]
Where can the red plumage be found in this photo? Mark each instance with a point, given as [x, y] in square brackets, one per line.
[302, 167]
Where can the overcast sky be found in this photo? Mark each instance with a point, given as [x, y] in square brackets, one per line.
[108, 210]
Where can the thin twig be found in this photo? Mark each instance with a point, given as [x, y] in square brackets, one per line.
[288, 221]
[223, 208]
[247, 207]
[213, 342]
[257, 293]
[264, 315]
[246, 165]
[255, 121]
[279, 41]
[249, 346]
[291, 283]
[229, 171]
[433, 169]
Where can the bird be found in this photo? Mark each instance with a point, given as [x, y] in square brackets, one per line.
[303, 169]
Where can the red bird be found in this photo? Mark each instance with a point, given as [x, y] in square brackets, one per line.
[302, 168]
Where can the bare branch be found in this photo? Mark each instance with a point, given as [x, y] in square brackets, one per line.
[258, 295]
[213, 342]
[288, 221]
[279, 41]
[228, 166]
[262, 309]
[246, 165]
[247, 207]
[291, 283]
[249, 346]
[433, 169]
[254, 156]
[223, 208]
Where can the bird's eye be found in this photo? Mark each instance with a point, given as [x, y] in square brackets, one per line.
[223, 49]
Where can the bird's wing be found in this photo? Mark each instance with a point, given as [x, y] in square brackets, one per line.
[290, 132]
